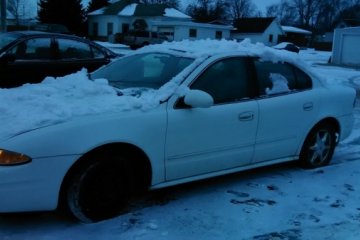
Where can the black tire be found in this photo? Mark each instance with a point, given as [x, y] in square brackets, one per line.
[98, 191]
[318, 147]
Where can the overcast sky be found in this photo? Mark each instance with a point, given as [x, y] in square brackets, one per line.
[261, 4]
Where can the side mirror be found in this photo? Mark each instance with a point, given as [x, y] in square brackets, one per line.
[198, 99]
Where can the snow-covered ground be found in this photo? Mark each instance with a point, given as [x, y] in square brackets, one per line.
[278, 202]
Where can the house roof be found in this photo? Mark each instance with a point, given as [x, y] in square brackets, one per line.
[137, 9]
[252, 25]
[290, 29]
[117, 7]
[9, 15]
[151, 10]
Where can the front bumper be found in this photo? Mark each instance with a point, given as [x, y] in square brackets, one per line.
[34, 186]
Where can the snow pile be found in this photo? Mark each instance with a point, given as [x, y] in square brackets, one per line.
[279, 84]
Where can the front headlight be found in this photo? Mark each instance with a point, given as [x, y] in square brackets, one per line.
[12, 158]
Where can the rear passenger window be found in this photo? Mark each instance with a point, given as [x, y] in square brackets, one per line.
[280, 78]
[70, 49]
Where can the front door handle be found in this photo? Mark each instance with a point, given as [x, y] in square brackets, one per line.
[246, 116]
[308, 106]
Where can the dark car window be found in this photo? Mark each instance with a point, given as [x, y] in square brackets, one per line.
[7, 38]
[32, 49]
[302, 79]
[70, 49]
[97, 53]
[226, 81]
[280, 78]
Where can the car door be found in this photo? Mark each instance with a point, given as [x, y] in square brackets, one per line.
[287, 110]
[74, 55]
[206, 140]
[30, 62]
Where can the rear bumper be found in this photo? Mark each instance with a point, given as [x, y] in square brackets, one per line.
[34, 186]
[346, 126]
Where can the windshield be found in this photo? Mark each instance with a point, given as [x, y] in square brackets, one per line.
[6, 39]
[147, 70]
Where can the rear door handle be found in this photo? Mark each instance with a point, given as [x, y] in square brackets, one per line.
[246, 116]
[308, 106]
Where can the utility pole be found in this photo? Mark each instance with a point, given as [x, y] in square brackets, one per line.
[3, 15]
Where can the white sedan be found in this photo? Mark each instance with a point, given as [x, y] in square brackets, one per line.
[199, 112]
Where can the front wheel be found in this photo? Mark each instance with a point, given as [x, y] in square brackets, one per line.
[98, 191]
[319, 147]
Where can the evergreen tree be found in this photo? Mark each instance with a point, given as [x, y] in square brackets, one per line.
[96, 4]
[69, 13]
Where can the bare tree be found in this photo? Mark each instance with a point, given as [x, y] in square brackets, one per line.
[283, 11]
[18, 8]
[3, 15]
[207, 10]
[328, 13]
[241, 8]
[169, 3]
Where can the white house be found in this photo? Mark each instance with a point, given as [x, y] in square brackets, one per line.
[122, 16]
[180, 30]
[346, 49]
[264, 30]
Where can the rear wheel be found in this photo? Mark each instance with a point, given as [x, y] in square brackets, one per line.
[319, 147]
[99, 190]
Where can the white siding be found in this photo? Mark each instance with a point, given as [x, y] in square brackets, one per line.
[182, 32]
[180, 28]
[346, 46]
[103, 20]
[274, 29]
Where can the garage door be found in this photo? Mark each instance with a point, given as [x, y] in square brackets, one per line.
[350, 49]
[168, 32]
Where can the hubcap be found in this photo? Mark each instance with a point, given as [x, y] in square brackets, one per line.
[319, 151]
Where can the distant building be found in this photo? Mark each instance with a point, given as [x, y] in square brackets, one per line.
[125, 15]
[10, 19]
[346, 49]
[295, 35]
[264, 30]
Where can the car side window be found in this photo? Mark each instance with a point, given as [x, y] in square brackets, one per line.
[70, 49]
[302, 79]
[279, 78]
[32, 49]
[226, 81]
[97, 53]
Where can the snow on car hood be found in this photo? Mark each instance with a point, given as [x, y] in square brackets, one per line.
[56, 100]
